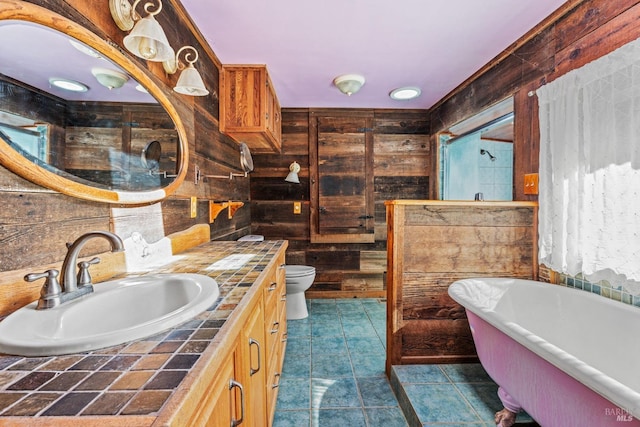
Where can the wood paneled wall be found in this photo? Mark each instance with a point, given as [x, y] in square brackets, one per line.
[35, 223]
[579, 32]
[431, 245]
[401, 164]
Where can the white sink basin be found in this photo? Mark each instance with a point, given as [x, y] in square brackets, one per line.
[116, 312]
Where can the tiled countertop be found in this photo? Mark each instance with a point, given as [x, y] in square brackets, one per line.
[136, 379]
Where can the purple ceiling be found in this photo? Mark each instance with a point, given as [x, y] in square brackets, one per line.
[25, 57]
[432, 44]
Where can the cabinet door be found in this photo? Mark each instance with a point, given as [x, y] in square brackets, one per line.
[226, 403]
[253, 367]
[341, 172]
[274, 127]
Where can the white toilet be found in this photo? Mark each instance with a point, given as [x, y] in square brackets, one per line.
[299, 278]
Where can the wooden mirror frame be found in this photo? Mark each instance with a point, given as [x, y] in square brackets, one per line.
[16, 163]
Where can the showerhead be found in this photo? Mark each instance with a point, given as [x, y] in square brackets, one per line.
[483, 152]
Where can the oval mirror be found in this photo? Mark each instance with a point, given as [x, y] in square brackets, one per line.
[77, 116]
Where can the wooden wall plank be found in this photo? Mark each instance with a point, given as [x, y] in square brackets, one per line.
[432, 244]
[401, 170]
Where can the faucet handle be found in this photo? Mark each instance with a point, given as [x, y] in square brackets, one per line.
[51, 286]
[84, 278]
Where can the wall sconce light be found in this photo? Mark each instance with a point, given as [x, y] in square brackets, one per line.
[349, 83]
[190, 82]
[108, 78]
[294, 168]
[147, 40]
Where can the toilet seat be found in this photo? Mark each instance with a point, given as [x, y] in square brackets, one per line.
[292, 271]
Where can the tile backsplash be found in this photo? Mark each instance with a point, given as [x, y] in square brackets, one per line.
[603, 288]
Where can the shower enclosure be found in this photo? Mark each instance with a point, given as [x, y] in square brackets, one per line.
[472, 166]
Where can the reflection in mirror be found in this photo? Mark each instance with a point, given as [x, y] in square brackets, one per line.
[92, 136]
[476, 156]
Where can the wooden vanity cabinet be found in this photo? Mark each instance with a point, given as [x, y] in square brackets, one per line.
[249, 374]
[226, 408]
[253, 367]
[275, 296]
[249, 107]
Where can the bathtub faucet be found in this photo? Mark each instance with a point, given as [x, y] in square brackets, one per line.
[73, 286]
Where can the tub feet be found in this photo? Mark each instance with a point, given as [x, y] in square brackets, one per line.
[507, 417]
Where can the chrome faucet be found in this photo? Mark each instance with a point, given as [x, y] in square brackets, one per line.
[73, 286]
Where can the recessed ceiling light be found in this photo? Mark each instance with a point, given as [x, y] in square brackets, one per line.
[67, 84]
[405, 93]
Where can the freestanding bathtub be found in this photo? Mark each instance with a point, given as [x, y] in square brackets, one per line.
[568, 357]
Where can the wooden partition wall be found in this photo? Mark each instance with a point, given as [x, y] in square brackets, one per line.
[430, 245]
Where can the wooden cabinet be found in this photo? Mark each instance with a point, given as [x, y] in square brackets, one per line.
[244, 385]
[252, 367]
[223, 399]
[249, 107]
[276, 333]
[341, 177]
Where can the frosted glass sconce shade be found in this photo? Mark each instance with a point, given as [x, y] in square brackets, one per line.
[190, 81]
[294, 168]
[147, 40]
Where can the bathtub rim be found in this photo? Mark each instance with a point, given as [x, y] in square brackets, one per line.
[609, 388]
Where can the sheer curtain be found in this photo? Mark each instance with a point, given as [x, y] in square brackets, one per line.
[589, 219]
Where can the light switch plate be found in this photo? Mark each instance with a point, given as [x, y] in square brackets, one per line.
[194, 207]
[297, 208]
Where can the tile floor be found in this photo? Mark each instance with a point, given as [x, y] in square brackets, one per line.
[333, 375]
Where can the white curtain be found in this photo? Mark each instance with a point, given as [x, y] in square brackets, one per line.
[589, 220]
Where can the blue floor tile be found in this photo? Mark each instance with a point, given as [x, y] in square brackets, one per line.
[294, 394]
[338, 417]
[420, 374]
[376, 391]
[329, 345]
[439, 403]
[330, 366]
[296, 366]
[334, 393]
[301, 418]
[298, 345]
[386, 417]
[334, 375]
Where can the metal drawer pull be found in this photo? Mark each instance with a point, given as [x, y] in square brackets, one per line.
[284, 337]
[284, 297]
[282, 265]
[277, 384]
[233, 384]
[257, 344]
[276, 326]
[273, 286]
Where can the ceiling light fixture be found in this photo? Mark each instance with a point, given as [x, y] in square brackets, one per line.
[405, 93]
[190, 81]
[349, 83]
[85, 49]
[147, 39]
[108, 78]
[67, 84]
